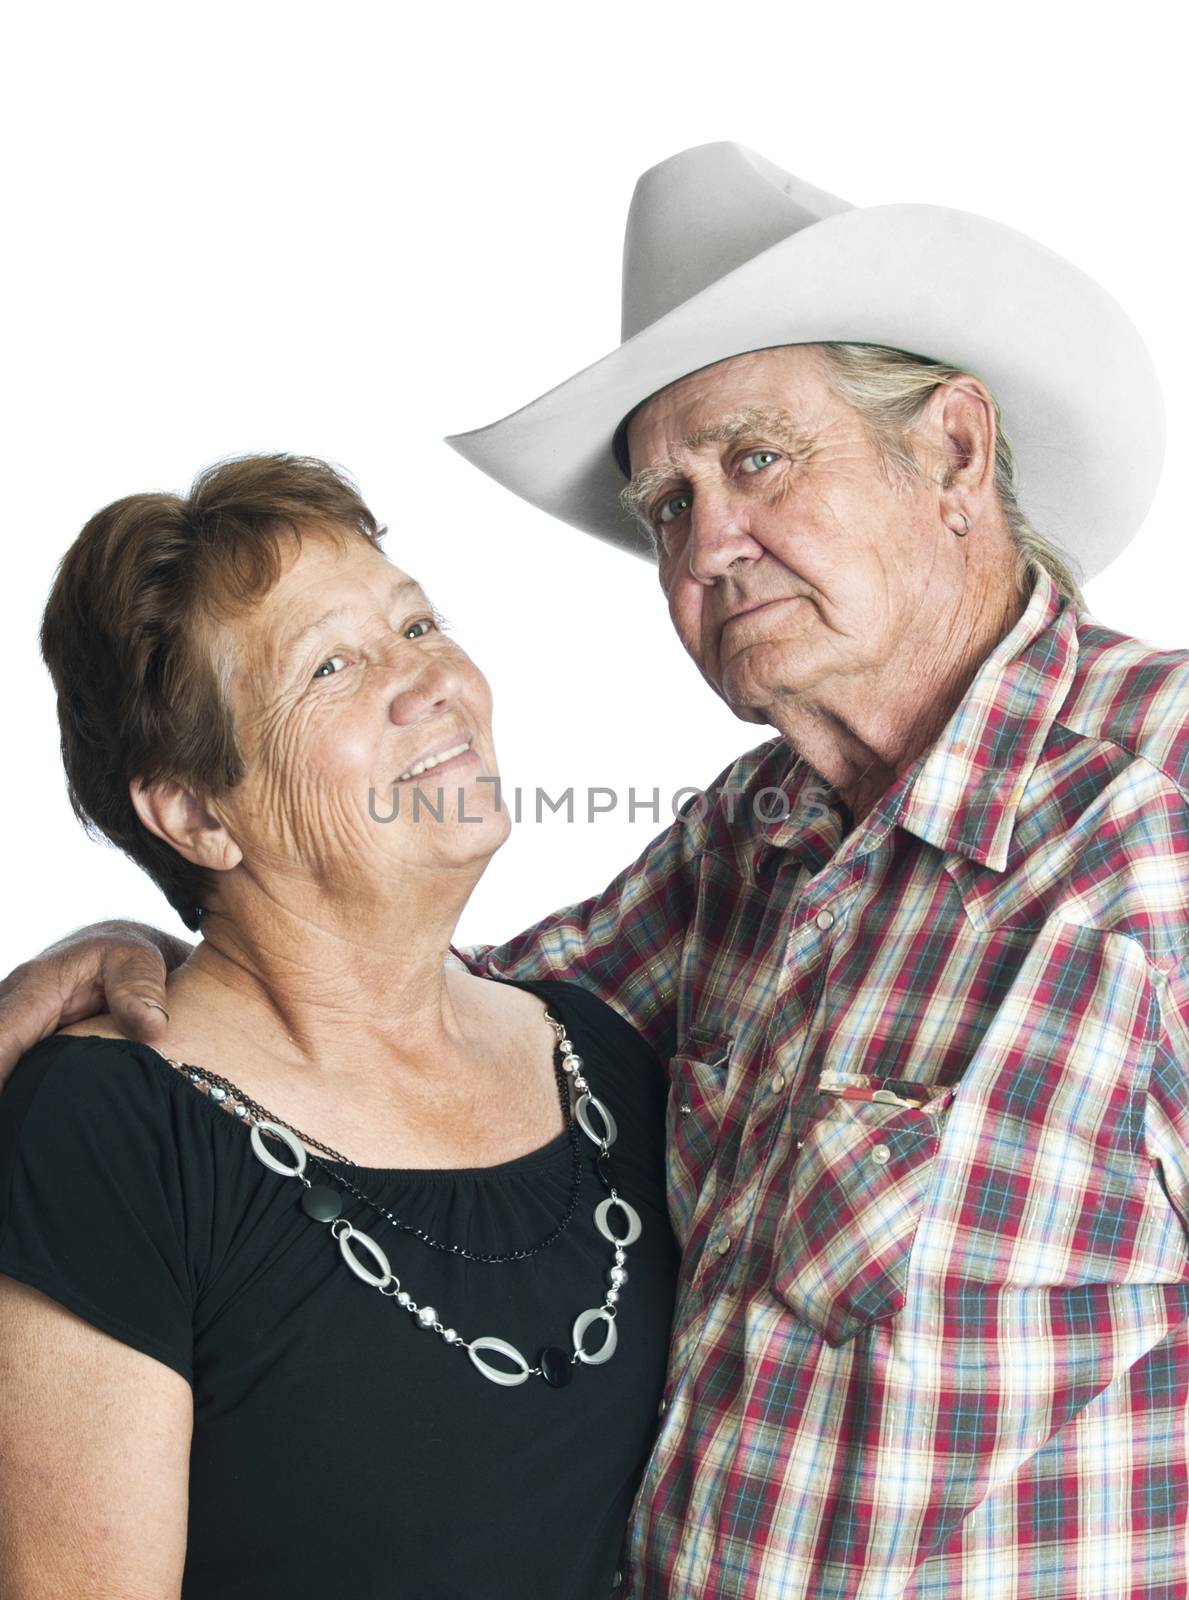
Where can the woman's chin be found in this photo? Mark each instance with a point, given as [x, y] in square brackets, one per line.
[496, 828]
[459, 838]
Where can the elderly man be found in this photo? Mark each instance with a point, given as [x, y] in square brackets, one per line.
[927, 1017]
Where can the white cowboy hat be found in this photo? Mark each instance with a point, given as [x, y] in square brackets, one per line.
[726, 253]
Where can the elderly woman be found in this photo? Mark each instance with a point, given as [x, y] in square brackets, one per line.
[330, 1295]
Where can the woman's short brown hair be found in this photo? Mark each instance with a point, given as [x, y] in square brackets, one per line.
[139, 695]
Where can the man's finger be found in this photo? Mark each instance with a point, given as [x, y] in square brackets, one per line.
[133, 979]
[117, 967]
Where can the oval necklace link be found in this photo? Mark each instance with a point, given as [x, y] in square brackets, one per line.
[321, 1204]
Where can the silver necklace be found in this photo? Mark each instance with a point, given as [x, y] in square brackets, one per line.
[323, 1204]
[230, 1098]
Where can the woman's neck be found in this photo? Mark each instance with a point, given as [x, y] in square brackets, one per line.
[319, 987]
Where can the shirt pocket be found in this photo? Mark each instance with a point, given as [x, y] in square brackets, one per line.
[860, 1185]
[693, 1122]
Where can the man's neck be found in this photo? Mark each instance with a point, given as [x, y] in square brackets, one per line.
[862, 733]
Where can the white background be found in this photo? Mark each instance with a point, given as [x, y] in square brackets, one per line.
[350, 230]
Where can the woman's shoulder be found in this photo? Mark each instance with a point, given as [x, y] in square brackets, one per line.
[104, 1195]
[87, 1075]
[584, 1012]
[101, 1026]
[96, 1044]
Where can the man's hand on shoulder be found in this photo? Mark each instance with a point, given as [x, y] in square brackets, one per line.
[118, 967]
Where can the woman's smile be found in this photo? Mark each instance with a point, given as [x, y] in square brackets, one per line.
[447, 758]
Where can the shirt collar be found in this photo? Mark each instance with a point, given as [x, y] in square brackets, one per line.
[962, 795]
[800, 813]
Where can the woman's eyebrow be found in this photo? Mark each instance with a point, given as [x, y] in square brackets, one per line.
[295, 641]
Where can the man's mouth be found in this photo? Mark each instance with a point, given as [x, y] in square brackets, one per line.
[759, 605]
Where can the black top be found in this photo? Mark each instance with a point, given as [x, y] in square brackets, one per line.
[339, 1449]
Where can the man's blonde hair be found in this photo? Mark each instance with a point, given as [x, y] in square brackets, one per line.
[890, 389]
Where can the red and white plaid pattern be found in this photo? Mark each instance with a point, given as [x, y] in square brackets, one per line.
[928, 1136]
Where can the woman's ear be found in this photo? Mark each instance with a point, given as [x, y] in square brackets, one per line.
[183, 821]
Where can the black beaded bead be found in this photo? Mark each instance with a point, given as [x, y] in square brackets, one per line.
[556, 1366]
[322, 1203]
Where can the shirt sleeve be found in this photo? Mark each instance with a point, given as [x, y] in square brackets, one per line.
[626, 943]
[92, 1210]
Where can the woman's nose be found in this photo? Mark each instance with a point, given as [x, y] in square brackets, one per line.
[435, 685]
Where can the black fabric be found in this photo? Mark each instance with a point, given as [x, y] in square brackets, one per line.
[339, 1450]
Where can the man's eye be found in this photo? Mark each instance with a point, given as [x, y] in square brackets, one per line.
[675, 506]
[757, 460]
[427, 623]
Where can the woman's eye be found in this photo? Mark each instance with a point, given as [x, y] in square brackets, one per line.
[757, 460]
[329, 662]
[675, 506]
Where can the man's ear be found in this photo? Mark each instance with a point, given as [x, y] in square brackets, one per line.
[963, 427]
[183, 821]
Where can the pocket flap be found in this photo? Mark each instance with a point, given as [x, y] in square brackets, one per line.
[858, 1190]
[709, 1045]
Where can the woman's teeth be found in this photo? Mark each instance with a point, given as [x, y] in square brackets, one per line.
[434, 761]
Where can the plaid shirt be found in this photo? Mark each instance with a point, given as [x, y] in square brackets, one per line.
[928, 1145]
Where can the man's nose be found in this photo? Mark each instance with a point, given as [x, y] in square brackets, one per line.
[718, 533]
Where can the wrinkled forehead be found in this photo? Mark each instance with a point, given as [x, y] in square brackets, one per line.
[326, 577]
[772, 381]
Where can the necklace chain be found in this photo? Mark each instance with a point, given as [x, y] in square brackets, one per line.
[489, 1258]
[322, 1204]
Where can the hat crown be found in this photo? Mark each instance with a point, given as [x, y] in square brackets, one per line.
[726, 253]
[701, 214]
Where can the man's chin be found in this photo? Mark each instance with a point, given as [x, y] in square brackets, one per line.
[753, 714]
[742, 695]
[750, 700]
[746, 707]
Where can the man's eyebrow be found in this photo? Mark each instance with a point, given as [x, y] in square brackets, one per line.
[294, 642]
[776, 424]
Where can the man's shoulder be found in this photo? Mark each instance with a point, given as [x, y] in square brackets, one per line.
[1132, 694]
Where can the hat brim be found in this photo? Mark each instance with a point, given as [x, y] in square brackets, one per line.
[1077, 390]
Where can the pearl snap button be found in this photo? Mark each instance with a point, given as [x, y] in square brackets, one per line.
[824, 920]
[723, 1243]
[777, 1082]
[881, 1154]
